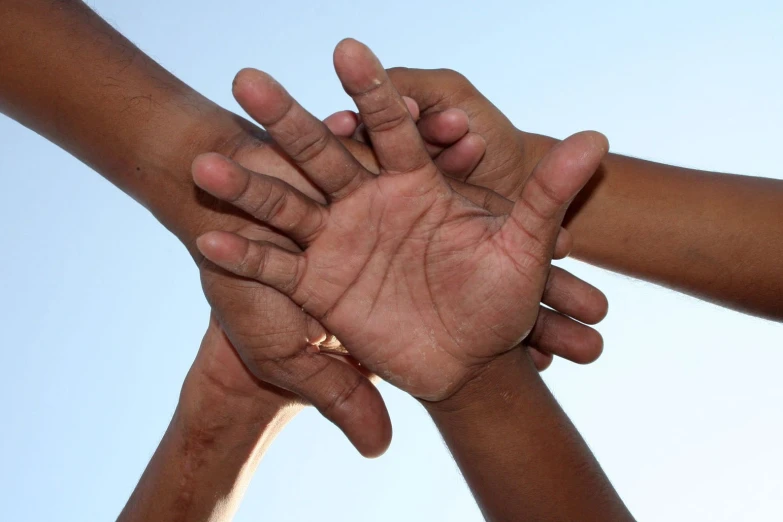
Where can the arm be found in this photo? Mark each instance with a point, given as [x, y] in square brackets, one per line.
[519, 452]
[71, 77]
[715, 236]
[223, 424]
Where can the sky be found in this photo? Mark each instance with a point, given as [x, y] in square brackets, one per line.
[102, 311]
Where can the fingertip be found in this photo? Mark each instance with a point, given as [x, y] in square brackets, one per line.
[263, 97]
[600, 307]
[564, 337]
[217, 175]
[348, 46]
[207, 243]
[246, 79]
[357, 67]
[596, 142]
[461, 158]
[219, 247]
[601, 141]
[446, 127]
[377, 448]
[206, 168]
[592, 348]
[342, 123]
[371, 429]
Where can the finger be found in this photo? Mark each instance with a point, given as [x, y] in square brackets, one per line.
[348, 124]
[268, 199]
[431, 88]
[341, 393]
[342, 124]
[361, 135]
[444, 128]
[413, 107]
[564, 244]
[541, 360]
[555, 181]
[264, 262]
[461, 159]
[304, 138]
[393, 133]
[574, 297]
[339, 390]
[562, 336]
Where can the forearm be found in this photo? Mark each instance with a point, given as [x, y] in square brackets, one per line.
[519, 453]
[204, 462]
[72, 78]
[715, 236]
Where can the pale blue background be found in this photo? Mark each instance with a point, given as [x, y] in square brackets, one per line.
[101, 310]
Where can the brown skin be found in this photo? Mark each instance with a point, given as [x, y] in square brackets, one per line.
[72, 78]
[519, 452]
[399, 266]
[402, 257]
[715, 236]
[224, 422]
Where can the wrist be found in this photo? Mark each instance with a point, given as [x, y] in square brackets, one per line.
[207, 408]
[490, 388]
[166, 165]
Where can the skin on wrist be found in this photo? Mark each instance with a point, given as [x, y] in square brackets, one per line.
[200, 471]
[210, 450]
[207, 407]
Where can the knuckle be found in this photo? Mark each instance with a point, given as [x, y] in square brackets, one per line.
[290, 285]
[254, 261]
[454, 76]
[387, 119]
[340, 401]
[391, 71]
[306, 147]
[274, 205]
[255, 195]
[552, 202]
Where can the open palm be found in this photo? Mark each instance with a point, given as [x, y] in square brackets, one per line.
[422, 286]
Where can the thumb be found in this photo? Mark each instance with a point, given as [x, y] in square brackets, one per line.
[559, 176]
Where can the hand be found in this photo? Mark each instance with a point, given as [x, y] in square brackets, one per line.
[275, 339]
[473, 143]
[399, 266]
[278, 341]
